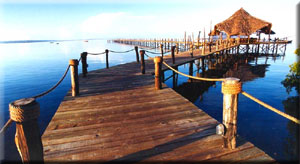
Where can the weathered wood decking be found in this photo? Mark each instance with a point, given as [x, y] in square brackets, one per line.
[119, 116]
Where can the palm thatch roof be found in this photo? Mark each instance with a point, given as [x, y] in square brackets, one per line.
[242, 23]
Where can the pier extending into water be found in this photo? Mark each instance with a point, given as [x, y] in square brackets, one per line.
[126, 113]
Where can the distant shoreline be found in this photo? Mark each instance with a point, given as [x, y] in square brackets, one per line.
[37, 41]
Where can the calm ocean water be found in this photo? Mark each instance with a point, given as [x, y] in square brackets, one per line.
[28, 69]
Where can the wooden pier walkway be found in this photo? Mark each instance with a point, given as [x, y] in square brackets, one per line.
[119, 116]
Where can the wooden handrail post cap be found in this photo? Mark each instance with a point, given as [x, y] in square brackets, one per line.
[25, 113]
[73, 62]
[231, 85]
[84, 54]
[24, 109]
[157, 59]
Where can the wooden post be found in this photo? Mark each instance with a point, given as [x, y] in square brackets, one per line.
[177, 48]
[184, 40]
[162, 51]
[106, 52]
[203, 63]
[84, 63]
[173, 54]
[137, 54]
[74, 76]
[142, 53]
[158, 62]
[231, 87]
[191, 70]
[175, 77]
[25, 113]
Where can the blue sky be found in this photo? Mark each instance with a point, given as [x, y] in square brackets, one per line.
[70, 19]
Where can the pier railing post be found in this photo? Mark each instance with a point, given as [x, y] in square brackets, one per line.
[158, 77]
[74, 76]
[142, 53]
[84, 63]
[173, 54]
[231, 87]
[25, 113]
[162, 51]
[106, 52]
[177, 48]
[137, 54]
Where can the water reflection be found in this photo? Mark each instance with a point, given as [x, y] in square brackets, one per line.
[218, 66]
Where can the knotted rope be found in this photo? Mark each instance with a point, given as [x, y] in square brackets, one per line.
[231, 88]
[24, 109]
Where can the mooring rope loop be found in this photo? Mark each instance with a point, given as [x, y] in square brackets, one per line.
[22, 113]
[51, 89]
[297, 121]
[192, 77]
[96, 53]
[231, 88]
[121, 51]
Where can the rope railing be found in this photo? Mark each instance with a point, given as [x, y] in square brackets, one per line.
[96, 53]
[7, 124]
[297, 121]
[192, 77]
[56, 85]
[121, 51]
[148, 56]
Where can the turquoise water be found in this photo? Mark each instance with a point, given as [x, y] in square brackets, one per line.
[31, 68]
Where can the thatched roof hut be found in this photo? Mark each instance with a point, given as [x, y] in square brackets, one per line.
[243, 24]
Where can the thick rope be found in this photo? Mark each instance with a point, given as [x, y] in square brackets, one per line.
[96, 53]
[22, 113]
[121, 51]
[271, 108]
[231, 88]
[51, 89]
[7, 124]
[192, 77]
[147, 56]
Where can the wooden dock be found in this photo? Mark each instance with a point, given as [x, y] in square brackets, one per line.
[119, 116]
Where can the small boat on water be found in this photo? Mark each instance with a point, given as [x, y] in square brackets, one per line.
[86, 41]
